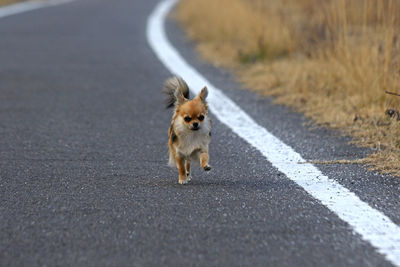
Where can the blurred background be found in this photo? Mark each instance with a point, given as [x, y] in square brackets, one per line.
[333, 60]
[6, 2]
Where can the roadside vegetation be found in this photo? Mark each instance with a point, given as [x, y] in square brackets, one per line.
[333, 60]
[7, 2]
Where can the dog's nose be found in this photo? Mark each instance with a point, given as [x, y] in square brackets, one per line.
[195, 124]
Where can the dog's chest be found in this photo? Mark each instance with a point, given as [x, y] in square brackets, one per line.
[193, 141]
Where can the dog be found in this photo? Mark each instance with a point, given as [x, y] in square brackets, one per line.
[190, 130]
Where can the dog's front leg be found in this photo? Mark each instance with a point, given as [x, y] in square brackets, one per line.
[204, 160]
[180, 164]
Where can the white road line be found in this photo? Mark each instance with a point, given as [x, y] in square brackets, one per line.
[27, 6]
[371, 224]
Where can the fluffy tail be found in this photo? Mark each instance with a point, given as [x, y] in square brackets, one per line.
[170, 86]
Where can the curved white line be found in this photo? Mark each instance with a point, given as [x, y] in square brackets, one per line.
[28, 6]
[371, 224]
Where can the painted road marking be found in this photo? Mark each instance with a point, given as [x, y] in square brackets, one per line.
[28, 6]
[371, 224]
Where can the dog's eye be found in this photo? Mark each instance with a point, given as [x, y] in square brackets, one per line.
[187, 119]
[201, 117]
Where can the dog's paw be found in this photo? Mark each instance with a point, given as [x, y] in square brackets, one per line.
[183, 181]
[207, 168]
[188, 177]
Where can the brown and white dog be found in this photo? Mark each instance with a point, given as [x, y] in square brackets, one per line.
[190, 129]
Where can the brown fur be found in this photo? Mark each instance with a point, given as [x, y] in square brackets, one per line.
[188, 139]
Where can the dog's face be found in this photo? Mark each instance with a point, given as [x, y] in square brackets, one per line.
[193, 113]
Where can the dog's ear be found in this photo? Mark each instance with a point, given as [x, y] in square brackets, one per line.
[203, 94]
[180, 99]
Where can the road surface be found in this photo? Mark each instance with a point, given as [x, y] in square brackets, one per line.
[84, 179]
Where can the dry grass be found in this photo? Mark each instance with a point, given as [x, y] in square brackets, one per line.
[332, 60]
[7, 2]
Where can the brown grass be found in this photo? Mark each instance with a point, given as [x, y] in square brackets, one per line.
[7, 2]
[331, 60]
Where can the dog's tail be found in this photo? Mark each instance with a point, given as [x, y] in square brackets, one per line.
[170, 86]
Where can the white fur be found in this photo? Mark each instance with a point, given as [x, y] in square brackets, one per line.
[191, 143]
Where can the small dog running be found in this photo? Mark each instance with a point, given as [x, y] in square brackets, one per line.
[190, 129]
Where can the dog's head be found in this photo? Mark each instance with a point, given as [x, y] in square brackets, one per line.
[192, 113]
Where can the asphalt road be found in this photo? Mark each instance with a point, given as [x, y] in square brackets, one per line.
[84, 179]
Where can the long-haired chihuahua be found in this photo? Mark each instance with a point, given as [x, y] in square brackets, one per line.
[190, 129]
